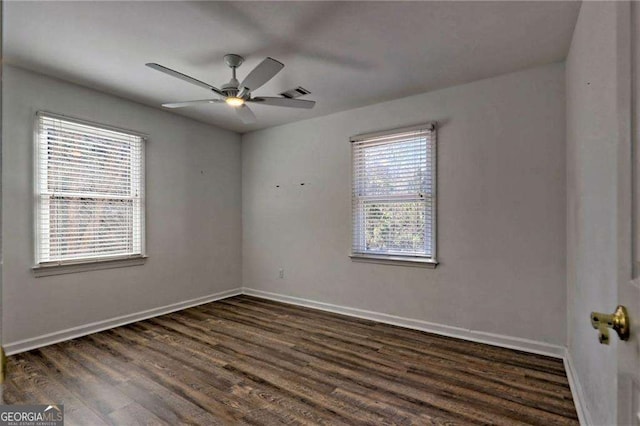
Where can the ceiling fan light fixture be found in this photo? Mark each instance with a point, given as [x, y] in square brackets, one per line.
[234, 101]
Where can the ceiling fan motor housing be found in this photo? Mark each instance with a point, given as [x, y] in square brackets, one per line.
[230, 89]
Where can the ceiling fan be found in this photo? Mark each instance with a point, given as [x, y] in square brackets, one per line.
[236, 94]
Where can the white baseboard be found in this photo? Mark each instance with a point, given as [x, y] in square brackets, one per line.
[510, 342]
[74, 332]
[576, 391]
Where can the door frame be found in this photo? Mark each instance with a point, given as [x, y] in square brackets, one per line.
[628, 207]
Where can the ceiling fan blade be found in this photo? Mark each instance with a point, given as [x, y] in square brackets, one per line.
[184, 77]
[264, 72]
[189, 103]
[284, 102]
[246, 115]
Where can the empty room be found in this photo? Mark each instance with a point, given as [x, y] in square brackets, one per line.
[320, 213]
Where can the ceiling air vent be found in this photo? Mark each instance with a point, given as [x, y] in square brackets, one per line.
[295, 93]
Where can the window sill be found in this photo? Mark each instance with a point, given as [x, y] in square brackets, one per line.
[88, 265]
[395, 260]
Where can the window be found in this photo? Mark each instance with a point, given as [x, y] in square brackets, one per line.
[89, 192]
[394, 195]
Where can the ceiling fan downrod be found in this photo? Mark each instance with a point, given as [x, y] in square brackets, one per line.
[233, 61]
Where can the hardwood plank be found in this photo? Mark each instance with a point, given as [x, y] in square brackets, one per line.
[133, 415]
[246, 360]
[288, 362]
[36, 385]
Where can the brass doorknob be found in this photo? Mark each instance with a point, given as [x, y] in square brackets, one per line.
[619, 321]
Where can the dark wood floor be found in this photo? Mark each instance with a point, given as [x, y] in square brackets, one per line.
[248, 360]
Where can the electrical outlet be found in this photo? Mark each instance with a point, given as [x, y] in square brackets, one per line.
[281, 273]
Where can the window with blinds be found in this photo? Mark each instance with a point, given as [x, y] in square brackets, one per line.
[394, 192]
[89, 192]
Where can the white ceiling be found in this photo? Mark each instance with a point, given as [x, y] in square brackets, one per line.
[348, 54]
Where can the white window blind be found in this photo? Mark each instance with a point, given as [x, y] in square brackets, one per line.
[394, 193]
[89, 192]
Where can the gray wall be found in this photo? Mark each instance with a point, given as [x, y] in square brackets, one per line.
[193, 212]
[501, 206]
[592, 124]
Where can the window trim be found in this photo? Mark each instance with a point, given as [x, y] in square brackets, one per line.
[70, 267]
[85, 263]
[420, 261]
[399, 259]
